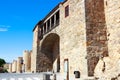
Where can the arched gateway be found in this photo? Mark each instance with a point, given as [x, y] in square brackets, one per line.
[70, 39]
[50, 50]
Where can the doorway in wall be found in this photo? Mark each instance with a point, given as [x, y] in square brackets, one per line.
[66, 69]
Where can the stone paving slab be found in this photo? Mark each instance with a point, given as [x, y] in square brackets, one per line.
[21, 79]
[23, 76]
[34, 78]
[31, 76]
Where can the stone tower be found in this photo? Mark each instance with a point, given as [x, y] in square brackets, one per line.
[19, 64]
[10, 68]
[27, 60]
[14, 66]
[34, 49]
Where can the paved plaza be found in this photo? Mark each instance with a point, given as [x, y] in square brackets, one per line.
[31, 76]
[23, 76]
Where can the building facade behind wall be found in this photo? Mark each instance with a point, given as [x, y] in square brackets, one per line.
[74, 36]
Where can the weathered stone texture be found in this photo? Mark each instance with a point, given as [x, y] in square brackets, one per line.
[10, 68]
[19, 64]
[73, 37]
[14, 66]
[27, 60]
[90, 32]
[112, 63]
[48, 51]
[34, 50]
[96, 33]
[108, 68]
[72, 40]
[112, 10]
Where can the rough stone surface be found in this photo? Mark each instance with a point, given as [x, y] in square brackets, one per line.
[19, 64]
[10, 68]
[27, 60]
[34, 50]
[96, 33]
[48, 51]
[112, 63]
[14, 66]
[88, 40]
[73, 38]
[112, 10]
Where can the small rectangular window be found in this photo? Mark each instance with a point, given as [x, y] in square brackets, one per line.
[67, 11]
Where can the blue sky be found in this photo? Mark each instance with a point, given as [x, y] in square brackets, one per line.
[17, 20]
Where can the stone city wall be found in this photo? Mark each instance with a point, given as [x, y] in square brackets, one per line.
[19, 64]
[34, 50]
[88, 40]
[14, 66]
[108, 68]
[10, 68]
[27, 60]
[73, 38]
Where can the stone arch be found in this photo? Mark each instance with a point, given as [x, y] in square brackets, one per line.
[50, 49]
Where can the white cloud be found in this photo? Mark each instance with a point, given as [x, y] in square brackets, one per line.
[4, 28]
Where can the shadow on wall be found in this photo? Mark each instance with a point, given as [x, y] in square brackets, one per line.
[50, 51]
